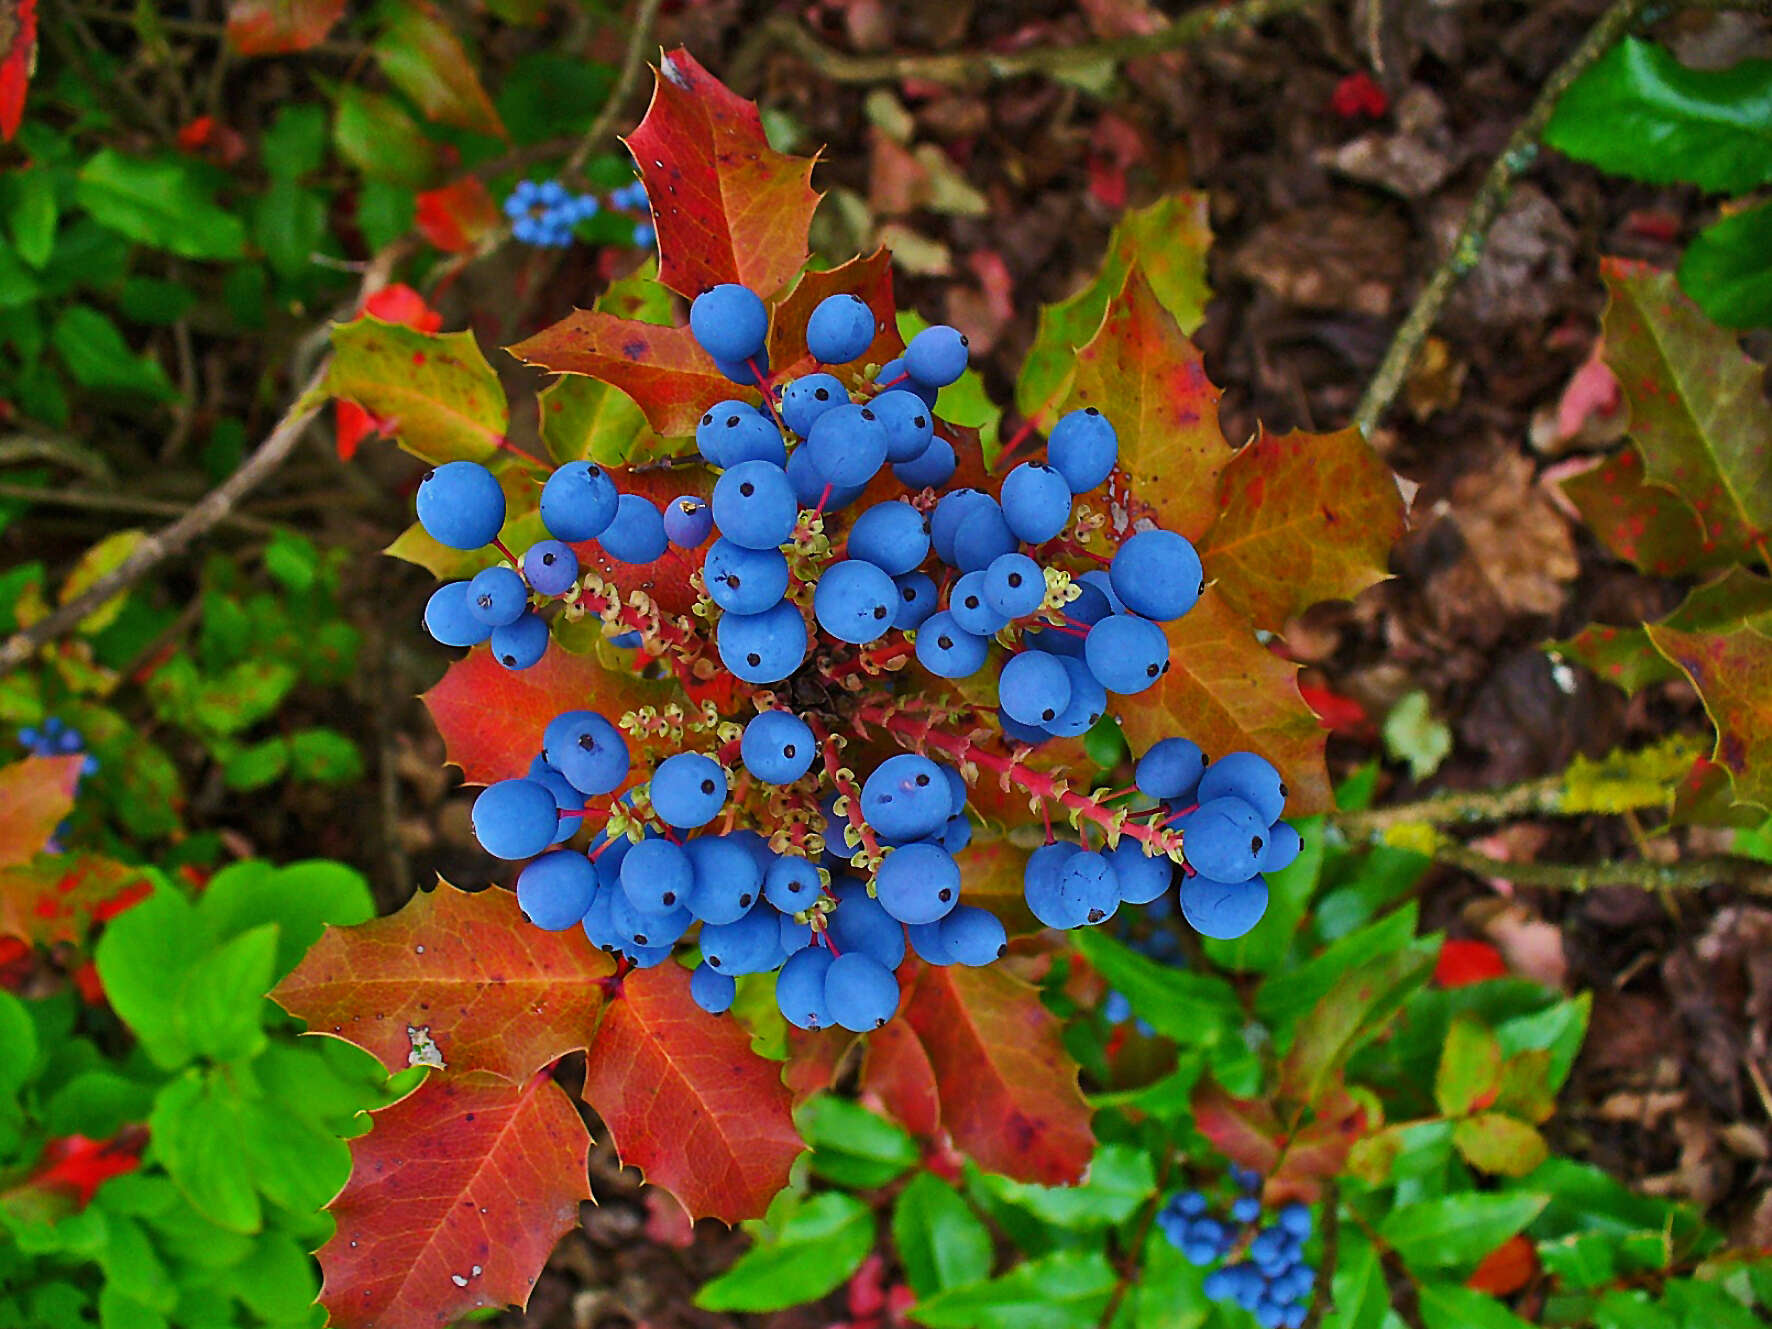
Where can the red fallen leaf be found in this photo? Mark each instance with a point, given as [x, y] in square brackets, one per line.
[1462, 963]
[1592, 391]
[1008, 1089]
[667, 374]
[458, 980]
[870, 278]
[35, 794]
[898, 1074]
[492, 718]
[18, 60]
[57, 900]
[1114, 145]
[1338, 714]
[1506, 1269]
[456, 216]
[73, 1167]
[209, 138]
[455, 1200]
[1244, 1130]
[277, 27]
[687, 1101]
[1357, 95]
[727, 206]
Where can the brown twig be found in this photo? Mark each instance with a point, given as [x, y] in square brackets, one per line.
[1519, 153]
[1684, 875]
[91, 500]
[963, 67]
[632, 62]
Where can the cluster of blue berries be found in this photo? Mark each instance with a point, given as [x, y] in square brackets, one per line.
[57, 739]
[1271, 1278]
[543, 212]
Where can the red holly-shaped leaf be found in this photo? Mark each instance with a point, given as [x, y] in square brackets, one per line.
[727, 206]
[1143, 373]
[492, 718]
[1008, 1089]
[687, 1101]
[459, 981]
[1643, 523]
[870, 278]
[1229, 693]
[57, 899]
[1302, 518]
[1732, 672]
[277, 27]
[35, 794]
[1244, 1130]
[898, 1073]
[18, 60]
[669, 377]
[455, 1200]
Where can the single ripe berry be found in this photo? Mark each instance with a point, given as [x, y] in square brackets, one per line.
[893, 374]
[1282, 849]
[777, 747]
[729, 322]
[554, 892]
[1041, 889]
[811, 487]
[983, 538]
[972, 608]
[637, 534]
[521, 644]
[550, 566]
[656, 876]
[1223, 909]
[947, 650]
[973, 937]
[754, 505]
[1223, 838]
[791, 884]
[930, 469]
[1083, 448]
[1251, 778]
[744, 581]
[723, 418]
[936, 356]
[1170, 770]
[1087, 882]
[840, 330]
[1087, 705]
[728, 881]
[906, 797]
[893, 536]
[765, 647]
[909, 423]
[1143, 877]
[515, 818]
[799, 989]
[497, 596]
[1126, 654]
[1036, 502]
[1034, 688]
[578, 502]
[918, 883]
[848, 445]
[861, 992]
[688, 789]
[1157, 574]
[917, 600]
[750, 944]
[589, 751]
[712, 990]
[752, 373]
[808, 397]
[855, 601]
[1014, 585]
[450, 619]
[688, 521]
[461, 505]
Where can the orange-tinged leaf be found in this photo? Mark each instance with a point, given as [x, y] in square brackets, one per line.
[1733, 674]
[669, 377]
[727, 206]
[813, 1058]
[18, 61]
[35, 794]
[277, 27]
[455, 1200]
[1697, 411]
[1507, 1268]
[1150, 381]
[1623, 656]
[1008, 1088]
[688, 1102]
[869, 277]
[425, 60]
[1302, 518]
[1640, 522]
[57, 898]
[457, 216]
[993, 871]
[1229, 693]
[435, 390]
[1244, 1130]
[456, 980]
[897, 1072]
[666, 579]
[492, 718]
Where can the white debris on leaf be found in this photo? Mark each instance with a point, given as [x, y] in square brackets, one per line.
[425, 1051]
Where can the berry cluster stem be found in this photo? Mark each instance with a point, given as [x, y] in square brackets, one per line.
[845, 786]
[1048, 788]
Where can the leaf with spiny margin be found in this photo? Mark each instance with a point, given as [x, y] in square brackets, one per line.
[869, 277]
[1641, 522]
[278, 27]
[35, 795]
[1008, 1087]
[727, 207]
[1149, 380]
[1168, 241]
[432, 389]
[492, 718]
[456, 1198]
[58, 897]
[1697, 411]
[688, 1102]
[463, 974]
[897, 1071]
[1229, 693]
[1732, 672]
[1301, 518]
[1624, 657]
[585, 419]
[668, 376]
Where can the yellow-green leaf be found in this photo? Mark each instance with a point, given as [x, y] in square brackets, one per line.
[1496, 1142]
[101, 560]
[435, 391]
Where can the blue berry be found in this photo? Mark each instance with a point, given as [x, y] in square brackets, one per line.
[983, 538]
[461, 505]
[515, 818]
[947, 650]
[973, 937]
[1223, 838]
[744, 581]
[554, 892]
[812, 489]
[566, 798]
[917, 600]
[808, 397]
[918, 883]
[521, 644]
[908, 421]
[1015, 730]
[754, 505]
[893, 374]
[1083, 448]
[848, 445]
[1222, 909]
[729, 419]
[637, 534]
[954, 510]
[906, 797]
[1282, 849]
[1170, 770]
[764, 647]
[729, 322]
[1046, 899]
[972, 608]
[1088, 879]
[936, 356]
[713, 991]
[1036, 502]
[1246, 1208]
[1190, 1203]
[450, 619]
[859, 923]
[657, 876]
[1034, 688]
[749, 944]
[1126, 654]
[893, 536]
[1087, 705]
[925, 939]
[588, 750]
[1014, 585]
[840, 330]
[791, 884]
[930, 469]
[751, 373]
[777, 747]
[550, 566]
[688, 789]
[1296, 1219]
[728, 880]
[854, 601]
[578, 502]
[1157, 574]
[497, 596]
[799, 989]
[1143, 877]
[688, 521]
[1248, 777]
[861, 992]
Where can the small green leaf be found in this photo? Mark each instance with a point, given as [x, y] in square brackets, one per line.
[295, 144]
[1361, 1296]
[219, 999]
[1119, 1179]
[1360, 1004]
[324, 756]
[199, 1136]
[1105, 744]
[941, 1242]
[373, 133]
[133, 1269]
[95, 1103]
[159, 202]
[1449, 1306]
[153, 300]
[1470, 1067]
[301, 899]
[1456, 1231]
[139, 949]
[1495, 1142]
[822, 1243]
[1727, 272]
[98, 357]
[32, 218]
[851, 1146]
[256, 766]
[424, 59]
[1196, 1010]
[1067, 1289]
[1414, 735]
[18, 1044]
[277, 1281]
